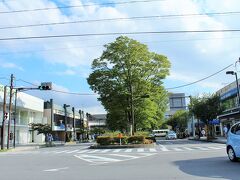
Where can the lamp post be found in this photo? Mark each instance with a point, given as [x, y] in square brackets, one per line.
[238, 96]
[65, 119]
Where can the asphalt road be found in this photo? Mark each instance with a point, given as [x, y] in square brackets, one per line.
[180, 159]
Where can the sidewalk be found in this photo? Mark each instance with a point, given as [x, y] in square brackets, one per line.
[221, 140]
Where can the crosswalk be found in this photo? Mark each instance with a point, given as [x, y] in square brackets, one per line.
[159, 148]
[156, 149]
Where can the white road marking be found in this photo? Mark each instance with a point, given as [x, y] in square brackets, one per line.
[94, 151]
[202, 148]
[128, 150]
[117, 150]
[177, 149]
[54, 170]
[84, 151]
[163, 148]
[93, 159]
[140, 150]
[106, 150]
[189, 149]
[72, 151]
[58, 152]
[124, 155]
[152, 150]
[215, 147]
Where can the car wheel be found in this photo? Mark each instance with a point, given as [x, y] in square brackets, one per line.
[231, 154]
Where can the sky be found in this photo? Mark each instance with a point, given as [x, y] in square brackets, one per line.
[66, 61]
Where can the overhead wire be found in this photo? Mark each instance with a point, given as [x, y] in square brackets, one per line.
[185, 85]
[59, 91]
[120, 19]
[101, 45]
[176, 87]
[77, 6]
[120, 33]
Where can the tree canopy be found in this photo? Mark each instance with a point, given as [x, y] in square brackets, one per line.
[179, 120]
[206, 108]
[125, 73]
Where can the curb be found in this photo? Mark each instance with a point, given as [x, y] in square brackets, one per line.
[213, 141]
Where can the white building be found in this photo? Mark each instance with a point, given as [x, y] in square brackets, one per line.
[29, 109]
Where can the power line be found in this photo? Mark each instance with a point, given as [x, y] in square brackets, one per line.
[77, 6]
[200, 79]
[119, 33]
[120, 19]
[57, 49]
[75, 93]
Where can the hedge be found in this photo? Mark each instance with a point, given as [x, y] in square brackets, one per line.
[136, 139]
[108, 140]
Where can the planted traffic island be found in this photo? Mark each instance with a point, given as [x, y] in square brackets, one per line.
[119, 142]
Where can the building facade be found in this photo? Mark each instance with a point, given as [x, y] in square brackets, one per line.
[177, 101]
[229, 99]
[29, 109]
[67, 123]
[97, 121]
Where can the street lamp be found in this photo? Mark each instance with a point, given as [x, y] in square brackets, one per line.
[234, 73]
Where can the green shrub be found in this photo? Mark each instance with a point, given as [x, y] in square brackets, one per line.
[148, 141]
[105, 140]
[111, 133]
[142, 133]
[136, 139]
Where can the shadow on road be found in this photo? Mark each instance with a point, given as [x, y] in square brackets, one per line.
[217, 167]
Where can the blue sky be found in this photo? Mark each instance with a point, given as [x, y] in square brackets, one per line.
[67, 61]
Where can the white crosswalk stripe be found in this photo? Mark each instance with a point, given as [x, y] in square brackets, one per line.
[128, 150]
[140, 150]
[117, 150]
[152, 150]
[187, 148]
[177, 149]
[163, 148]
[72, 151]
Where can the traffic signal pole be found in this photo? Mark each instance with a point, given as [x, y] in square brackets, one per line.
[4, 118]
[10, 111]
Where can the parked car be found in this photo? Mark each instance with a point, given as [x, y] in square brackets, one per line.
[233, 142]
[171, 135]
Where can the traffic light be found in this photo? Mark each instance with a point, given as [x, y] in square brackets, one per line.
[45, 86]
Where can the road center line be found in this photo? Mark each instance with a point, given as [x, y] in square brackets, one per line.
[55, 170]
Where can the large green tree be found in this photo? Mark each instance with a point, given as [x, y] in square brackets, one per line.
[122, 75]
[206, 108]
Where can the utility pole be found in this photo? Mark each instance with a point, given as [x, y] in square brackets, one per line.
[74, 130]
[4, 118]
[15, 115]
[65, 120]
[132, 111]
[10, 111]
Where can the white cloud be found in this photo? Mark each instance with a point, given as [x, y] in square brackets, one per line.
[191, 59]
[9, 65]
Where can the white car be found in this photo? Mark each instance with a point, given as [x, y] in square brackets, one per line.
[171, 135]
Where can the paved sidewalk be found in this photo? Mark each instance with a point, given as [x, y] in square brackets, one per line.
[221, 140]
